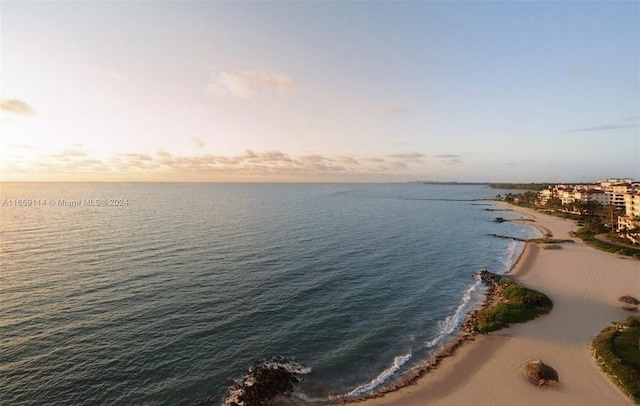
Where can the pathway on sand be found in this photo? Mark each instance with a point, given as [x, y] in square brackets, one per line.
[603, 238]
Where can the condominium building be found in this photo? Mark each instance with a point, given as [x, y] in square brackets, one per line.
[631, 219]
[623, 194]
[632, 204]
[545, 195]
[605, 183]
[592, 195]
[616, 194]
[570, 194]
[605, 192]
[566, 195]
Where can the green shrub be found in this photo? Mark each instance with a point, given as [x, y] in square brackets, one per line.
[521, 304]
[591, 240]
[529, 297]
[502, 315]
[616, 348]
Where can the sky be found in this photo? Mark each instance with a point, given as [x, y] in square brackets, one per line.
[334, 91]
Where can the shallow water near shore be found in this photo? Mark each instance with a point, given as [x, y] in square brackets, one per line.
[169, 298]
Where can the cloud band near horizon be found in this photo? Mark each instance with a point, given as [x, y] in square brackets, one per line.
[77, 164]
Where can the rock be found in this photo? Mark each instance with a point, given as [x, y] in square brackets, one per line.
[265, 380]
[540, 373]
[629, 300]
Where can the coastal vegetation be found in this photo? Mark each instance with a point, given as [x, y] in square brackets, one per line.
[515, 304]
[588, 232]
[520, 186]
[554, 205]
[551, 247]
[525, 199]
[548, 240]
[616, 350]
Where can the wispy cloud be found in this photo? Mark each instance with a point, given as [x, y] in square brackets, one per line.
[138, 157]
[450, 159]
[197, 141]
[410, 156]
[20, 146]
[277, 81]
[578, 74]
[384, 111]
[632, 84]
[250, 165]
[16, 106]
[348, 160]
[603, 127]
[247, 84]
[69, 153]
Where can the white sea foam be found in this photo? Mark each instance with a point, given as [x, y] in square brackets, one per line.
[513, 251]
[398, 362]
[451, 323]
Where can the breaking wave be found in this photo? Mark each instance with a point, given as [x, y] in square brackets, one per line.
[398, 362]
[451, 323]
[513, 250]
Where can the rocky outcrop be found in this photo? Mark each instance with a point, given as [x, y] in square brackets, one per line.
[265, 380]
[540, 373]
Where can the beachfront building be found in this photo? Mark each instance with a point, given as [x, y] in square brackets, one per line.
[629, 224]
[619, 195]
[616, 194]
[568, 194]
[606, 183]
[604, 192]
[544, 196]
[592, 195]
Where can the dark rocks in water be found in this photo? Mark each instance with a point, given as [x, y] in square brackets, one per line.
[507, 237]
[264, 381]
[499, 220]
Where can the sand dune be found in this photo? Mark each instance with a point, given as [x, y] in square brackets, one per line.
[584, 285]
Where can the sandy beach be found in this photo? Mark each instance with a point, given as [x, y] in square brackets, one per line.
[584, 285]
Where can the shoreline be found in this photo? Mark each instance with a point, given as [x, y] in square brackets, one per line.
[486, 369]
[453, 345]
[465, 333]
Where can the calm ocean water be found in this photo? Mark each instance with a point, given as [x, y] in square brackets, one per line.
[168, 292]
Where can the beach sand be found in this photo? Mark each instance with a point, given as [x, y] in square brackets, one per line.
[584, 285]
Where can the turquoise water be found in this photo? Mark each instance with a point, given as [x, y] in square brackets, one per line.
[166, 296]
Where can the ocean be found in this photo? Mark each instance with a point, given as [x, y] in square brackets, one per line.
[165, 293]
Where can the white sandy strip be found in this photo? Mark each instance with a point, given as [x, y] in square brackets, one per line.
[584, 285]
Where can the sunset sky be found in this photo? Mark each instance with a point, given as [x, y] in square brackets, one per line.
[319, 91]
